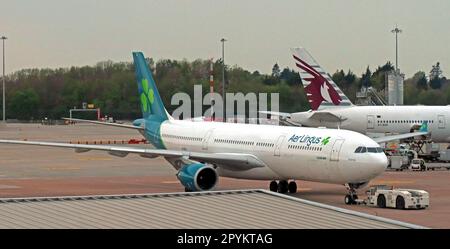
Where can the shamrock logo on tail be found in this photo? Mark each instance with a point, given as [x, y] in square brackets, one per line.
[147, 96]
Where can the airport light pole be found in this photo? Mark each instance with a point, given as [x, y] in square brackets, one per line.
[396, 31]
[3, 78]
[223, 40]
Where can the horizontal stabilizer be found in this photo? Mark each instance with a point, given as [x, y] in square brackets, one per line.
[327, 116]
[277, 114]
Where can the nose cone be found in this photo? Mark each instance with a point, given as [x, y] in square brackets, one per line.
[379, 164]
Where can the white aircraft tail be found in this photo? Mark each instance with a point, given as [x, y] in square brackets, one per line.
[320, 89]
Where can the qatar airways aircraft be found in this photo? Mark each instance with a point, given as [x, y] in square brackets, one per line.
[203, 151]
[331, 108]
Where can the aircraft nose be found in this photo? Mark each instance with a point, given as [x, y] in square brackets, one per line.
[380, 163]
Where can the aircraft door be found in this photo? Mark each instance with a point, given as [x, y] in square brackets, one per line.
[278, 145]
[206, 139]
[370, 121]
[441, 121]
[336, 149]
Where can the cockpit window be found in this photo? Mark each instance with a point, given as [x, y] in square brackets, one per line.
[358, 150]
[371, 149]
[363, 150]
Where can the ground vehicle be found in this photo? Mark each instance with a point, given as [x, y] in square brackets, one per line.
[398, 162]
[418, 164]
[386, 196]
[444, 155]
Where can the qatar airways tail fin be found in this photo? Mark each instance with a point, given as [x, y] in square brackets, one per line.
[320, 89]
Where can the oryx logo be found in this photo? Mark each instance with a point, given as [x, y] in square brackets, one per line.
[147, 96]
[319, 89]
[325, 140]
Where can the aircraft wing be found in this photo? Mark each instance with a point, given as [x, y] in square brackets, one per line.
[230, 161]
[397, 137]
[105, 123]
[286, 118]
[327, 116]
[423, 131]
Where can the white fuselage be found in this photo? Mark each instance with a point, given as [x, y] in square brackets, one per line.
[288, 152]
[385, 119]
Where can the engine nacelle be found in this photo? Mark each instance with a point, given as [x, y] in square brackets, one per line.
[197, 177]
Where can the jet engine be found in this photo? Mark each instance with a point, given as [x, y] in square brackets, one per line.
[197, 177]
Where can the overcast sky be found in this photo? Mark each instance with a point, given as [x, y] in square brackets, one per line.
[350, 34]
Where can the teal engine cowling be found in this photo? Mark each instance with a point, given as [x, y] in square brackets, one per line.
[197, 177]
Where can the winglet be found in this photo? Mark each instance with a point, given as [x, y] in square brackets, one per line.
[424, 127]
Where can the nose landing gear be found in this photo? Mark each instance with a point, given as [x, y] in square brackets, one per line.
[351, 197]
[283, 186]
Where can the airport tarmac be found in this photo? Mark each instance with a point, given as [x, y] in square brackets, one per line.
[30, 171]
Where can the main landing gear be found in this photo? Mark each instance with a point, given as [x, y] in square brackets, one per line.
[283, 186]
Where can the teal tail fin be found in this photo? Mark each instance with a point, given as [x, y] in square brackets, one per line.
[151, 104]
[153, 111]
[424, 127]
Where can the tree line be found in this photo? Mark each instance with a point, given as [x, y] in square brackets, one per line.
[33, 94]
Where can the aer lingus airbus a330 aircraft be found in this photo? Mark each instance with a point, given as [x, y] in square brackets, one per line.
[203, 151]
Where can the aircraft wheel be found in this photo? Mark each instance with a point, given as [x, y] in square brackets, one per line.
[283, 187]
[348, 200]
[292, 187]
[273, 186]
[354, 198]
